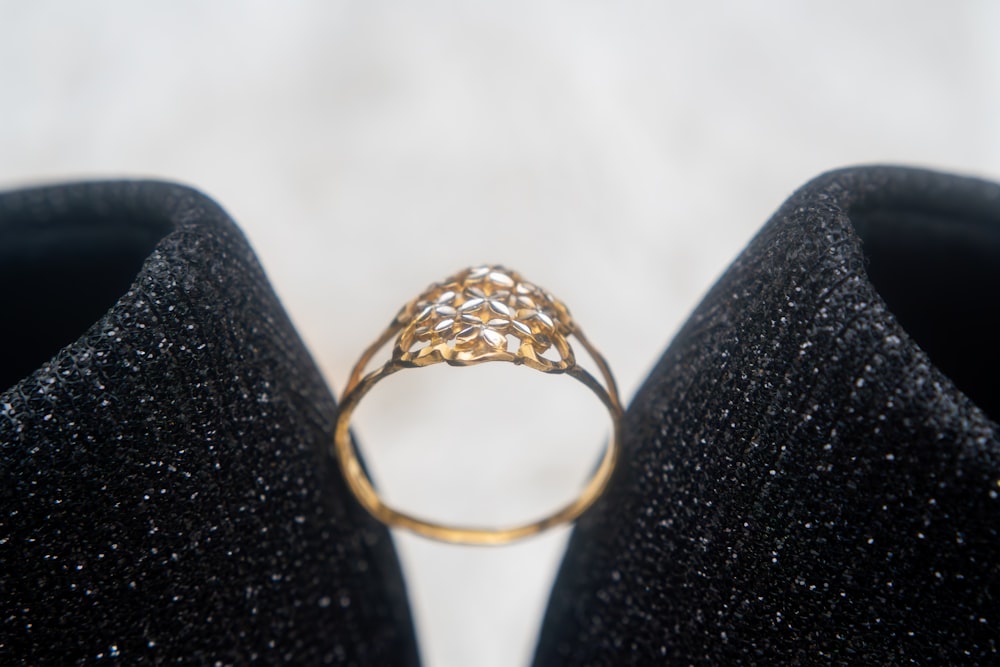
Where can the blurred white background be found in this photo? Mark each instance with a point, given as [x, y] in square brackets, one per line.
[619, 154]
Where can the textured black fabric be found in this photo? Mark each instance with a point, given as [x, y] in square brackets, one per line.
[801, 482]
[167, 495]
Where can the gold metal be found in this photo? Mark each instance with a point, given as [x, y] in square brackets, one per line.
[486, 313]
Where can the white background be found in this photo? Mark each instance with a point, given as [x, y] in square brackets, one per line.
[618, 153]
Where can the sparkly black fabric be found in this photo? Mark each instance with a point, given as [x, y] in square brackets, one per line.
[166, 490]
[810, 474]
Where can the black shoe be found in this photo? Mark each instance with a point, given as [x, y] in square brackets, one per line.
[811, 474]
[167, 495]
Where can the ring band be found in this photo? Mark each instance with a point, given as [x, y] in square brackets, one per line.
[482, 314]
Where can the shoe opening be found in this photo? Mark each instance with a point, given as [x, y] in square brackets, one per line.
[939, 273]
[59, 277]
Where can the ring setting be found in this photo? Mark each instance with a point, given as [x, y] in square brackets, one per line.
[482, 314]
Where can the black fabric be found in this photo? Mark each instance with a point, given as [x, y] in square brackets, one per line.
[811, 472]
[167, 495]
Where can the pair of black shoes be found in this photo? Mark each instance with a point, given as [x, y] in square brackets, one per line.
[811, 474]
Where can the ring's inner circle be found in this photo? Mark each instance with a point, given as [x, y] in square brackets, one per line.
[485, 446]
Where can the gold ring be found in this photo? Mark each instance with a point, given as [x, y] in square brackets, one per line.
[482, 314]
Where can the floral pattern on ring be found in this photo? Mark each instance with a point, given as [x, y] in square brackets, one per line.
[485, 313]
